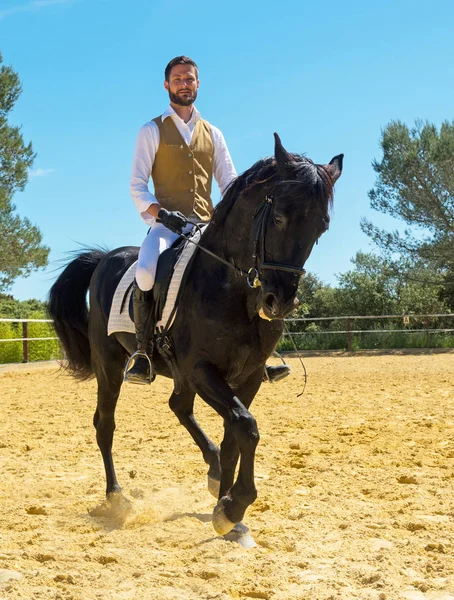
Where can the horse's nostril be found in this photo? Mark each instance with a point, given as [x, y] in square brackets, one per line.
[271, 303]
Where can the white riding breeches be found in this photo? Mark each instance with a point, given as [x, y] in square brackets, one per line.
[158, 239]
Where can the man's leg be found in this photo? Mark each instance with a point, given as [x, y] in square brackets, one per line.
[159, 238]
[142, 370]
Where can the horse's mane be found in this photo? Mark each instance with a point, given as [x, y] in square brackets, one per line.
[316, 180]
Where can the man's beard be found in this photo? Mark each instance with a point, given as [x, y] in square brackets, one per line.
[183, 100]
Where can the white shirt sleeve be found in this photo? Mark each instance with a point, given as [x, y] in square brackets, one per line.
[146, 147]
[223, 169]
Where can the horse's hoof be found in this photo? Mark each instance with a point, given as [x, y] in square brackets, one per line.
[119, 504]
[241, 535]
[221, 524]
[214, 486]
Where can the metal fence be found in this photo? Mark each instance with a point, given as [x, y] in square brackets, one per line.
[25, 339]
[349, 326]
[298, 328]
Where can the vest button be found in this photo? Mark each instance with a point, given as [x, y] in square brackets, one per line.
[190, 172]
[190, 155]
[191, 190]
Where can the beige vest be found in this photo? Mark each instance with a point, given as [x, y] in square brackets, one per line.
[182, 174]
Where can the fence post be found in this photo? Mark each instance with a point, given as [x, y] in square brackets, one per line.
[427, 333]
[349, 336]
[25, 341]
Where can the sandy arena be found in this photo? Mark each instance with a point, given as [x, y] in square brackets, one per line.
[355, 483]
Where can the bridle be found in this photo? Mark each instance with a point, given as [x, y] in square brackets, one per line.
[259, 227]
[259, 222]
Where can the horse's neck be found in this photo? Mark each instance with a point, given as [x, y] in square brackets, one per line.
[233, 239]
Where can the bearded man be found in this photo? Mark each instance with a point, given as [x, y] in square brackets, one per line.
[181, 152]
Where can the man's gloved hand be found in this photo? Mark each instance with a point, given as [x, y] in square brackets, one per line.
[172, 219]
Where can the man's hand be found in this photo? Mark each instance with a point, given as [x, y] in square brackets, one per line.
[173, 220]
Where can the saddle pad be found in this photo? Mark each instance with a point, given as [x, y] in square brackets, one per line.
[119, 319]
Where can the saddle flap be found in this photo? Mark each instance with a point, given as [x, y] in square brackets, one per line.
[164, 273]
[170, 271]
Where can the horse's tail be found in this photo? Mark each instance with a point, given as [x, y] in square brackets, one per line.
[69, 311]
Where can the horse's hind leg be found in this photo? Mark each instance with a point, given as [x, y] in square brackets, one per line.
[183, 407]
[110, 378]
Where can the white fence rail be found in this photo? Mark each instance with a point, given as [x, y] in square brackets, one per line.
[427, 329]
[348, 331]
[25, 339]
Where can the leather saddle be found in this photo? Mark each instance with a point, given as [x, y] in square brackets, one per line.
[164, 271]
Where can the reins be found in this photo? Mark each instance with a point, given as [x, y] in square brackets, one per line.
[238, 270]
[299, 357]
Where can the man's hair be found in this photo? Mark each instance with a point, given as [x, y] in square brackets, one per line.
[180, 60]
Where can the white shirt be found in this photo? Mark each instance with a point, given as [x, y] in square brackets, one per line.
[147, 145]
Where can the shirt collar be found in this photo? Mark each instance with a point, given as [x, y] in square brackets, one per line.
[169, 112]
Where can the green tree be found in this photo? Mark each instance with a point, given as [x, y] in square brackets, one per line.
[308, 287]
[317, 299]
[21, 251]
[415, 184]
[378, 286]
[10, 308]
[368, 289]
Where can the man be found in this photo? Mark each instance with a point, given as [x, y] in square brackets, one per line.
[182, 153]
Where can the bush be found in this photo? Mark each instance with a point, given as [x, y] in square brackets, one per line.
[330, 340]
[13, 352]
[10, 351]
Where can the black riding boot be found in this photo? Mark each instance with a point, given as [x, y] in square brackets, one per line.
[142, 371]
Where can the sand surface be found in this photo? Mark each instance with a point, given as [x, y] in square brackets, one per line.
[355, 483]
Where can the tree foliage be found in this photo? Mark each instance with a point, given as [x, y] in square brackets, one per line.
[21, 250]
[10, 308]
[415, 184]
[379, 286]
[374, 286]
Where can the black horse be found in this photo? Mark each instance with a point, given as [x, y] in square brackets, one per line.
[229, 319]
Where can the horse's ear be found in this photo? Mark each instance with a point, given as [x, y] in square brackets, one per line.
[284, 160]
[335, 167]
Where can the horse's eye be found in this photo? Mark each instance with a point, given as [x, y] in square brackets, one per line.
[278, 220]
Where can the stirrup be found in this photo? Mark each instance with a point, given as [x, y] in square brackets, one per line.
[128, 366]
[285, 367]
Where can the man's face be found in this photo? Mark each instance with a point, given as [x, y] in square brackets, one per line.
[182, 85]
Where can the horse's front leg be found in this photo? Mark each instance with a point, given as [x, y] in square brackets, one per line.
[230, 451]
[182, 405]
[214, 390]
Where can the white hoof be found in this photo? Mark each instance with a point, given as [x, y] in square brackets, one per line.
[220, 522]
[214, 486]
[241, 535]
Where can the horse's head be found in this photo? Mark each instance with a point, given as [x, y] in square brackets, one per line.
[287, 224]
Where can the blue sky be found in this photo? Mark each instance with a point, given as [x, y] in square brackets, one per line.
[326, 76]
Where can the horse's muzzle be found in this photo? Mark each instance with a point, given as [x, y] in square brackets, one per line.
[271, 307]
